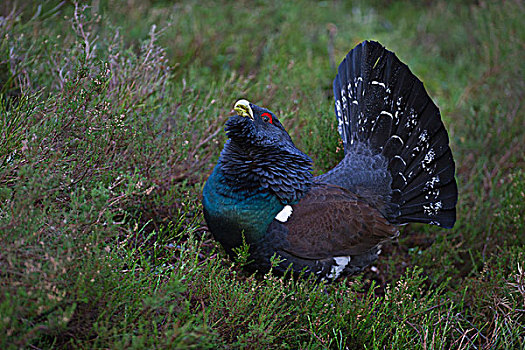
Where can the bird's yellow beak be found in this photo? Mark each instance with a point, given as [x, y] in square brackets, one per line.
[242, 108]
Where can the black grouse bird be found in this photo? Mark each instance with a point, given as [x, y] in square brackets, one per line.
[397, 168]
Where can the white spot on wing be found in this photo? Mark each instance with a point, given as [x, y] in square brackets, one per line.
[284, 214]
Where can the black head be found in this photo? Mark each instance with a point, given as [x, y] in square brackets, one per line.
[261, 154]
[256, 126]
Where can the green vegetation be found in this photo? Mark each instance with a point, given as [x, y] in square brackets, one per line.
[111, 119]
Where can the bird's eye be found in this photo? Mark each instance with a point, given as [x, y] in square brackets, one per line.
[267, 117]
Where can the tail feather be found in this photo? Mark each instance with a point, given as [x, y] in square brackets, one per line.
[442, 174]
[447, 199]
[380, 104]
[447, 218]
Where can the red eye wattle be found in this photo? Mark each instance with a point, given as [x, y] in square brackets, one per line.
[268, 117]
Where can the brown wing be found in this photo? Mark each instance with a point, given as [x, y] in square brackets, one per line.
[331, 221]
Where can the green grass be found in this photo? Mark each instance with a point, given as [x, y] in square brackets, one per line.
[111, 119]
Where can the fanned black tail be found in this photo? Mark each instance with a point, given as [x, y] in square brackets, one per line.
[382, 106]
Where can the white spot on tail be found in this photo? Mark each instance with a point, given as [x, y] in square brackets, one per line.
[427, 161]
[397, 137]
[284, 214]
[431, 184]
[433, 193]
[423, 137]
[412, 119]
[340, 264]
[432, 209]
[404, 163]
[403, 178]
[378, 83]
